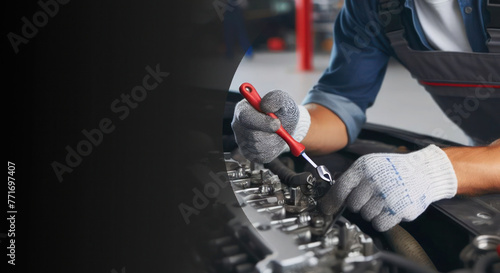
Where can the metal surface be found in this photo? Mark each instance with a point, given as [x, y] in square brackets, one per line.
[283, 230]
[469, 223]
[479, 215]
[304, 155]
[322, 171]
[324, 174]
[480, 246]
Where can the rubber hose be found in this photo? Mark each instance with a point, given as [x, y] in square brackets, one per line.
[403, 262]
[286, 175]
[405, 244]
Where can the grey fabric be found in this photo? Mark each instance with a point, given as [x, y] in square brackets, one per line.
[283, 106]
[447, 67]
[254, 131]
[463, 84]
[352, 116]
[494, 43]
[478, 118]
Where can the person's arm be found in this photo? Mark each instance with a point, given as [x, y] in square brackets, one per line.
[477, 168]
[324, 122]
[387, 188]
[337, 103]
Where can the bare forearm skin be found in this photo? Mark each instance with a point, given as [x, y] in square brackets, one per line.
[327, 132]
[477, 168]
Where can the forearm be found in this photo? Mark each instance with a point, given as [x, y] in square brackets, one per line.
[477, 168]
[327, 132]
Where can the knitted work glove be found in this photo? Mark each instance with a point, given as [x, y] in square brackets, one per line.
[389, 188]
[254, 131]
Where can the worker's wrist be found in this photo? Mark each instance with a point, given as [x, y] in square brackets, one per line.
[439, 170]
[302, 127]
[476, 168]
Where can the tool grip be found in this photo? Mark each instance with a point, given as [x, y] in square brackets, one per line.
[250, 94]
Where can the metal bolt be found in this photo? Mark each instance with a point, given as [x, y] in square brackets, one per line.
[266, 189]
[310, 179]
[468, 10]
[318, 222]
[331, 240]
[486, 242]
[310, 245]
[483, 215]
[285, 221]
[304, 217]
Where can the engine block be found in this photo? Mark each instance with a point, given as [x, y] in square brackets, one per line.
[284, 231]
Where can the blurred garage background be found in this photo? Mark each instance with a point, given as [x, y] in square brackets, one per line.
[272, 62]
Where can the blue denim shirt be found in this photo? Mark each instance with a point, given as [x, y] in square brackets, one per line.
[361, 52]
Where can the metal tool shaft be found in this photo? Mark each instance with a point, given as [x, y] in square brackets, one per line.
[309, 160]
[296, 148]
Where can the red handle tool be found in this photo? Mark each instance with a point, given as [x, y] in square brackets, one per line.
[296, 148]
[251, 95]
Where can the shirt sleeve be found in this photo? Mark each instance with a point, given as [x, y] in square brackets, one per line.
[357, 66]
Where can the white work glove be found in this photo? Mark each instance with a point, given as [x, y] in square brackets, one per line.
[255, 131]
[390, 188]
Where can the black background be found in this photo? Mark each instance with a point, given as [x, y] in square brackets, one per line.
[117, 211]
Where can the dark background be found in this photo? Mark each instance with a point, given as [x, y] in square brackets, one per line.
[117, 211]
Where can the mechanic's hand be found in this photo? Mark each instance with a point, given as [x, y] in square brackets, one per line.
[254, 131]
[389, 188]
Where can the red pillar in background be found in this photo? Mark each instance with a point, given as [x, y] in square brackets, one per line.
[303, 25]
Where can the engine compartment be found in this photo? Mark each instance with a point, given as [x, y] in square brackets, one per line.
[275, 225]
[293, 235]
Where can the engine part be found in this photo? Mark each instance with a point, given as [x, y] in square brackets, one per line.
[479, 214]
[324, 174]
[296, 148]
[287, 233]
[288, 176]
[404, 244]
[282, 230]
[309, 185]
[480, 246]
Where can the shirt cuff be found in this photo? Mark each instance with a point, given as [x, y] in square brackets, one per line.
[352, 116]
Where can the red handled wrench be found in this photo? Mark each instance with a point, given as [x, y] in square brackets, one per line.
[296, 148]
